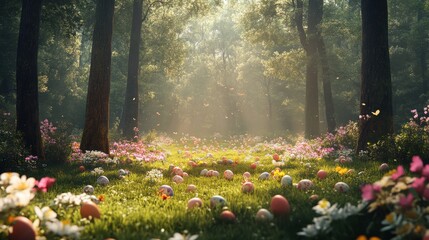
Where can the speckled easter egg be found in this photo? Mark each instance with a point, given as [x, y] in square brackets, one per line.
[341, 187]
[279, 206]
[177, 171]
[122, 172]
[177, 179]
[246, 175]
[166, 190]
[22, 229]
[215, 173]
[203, 172]
[217, 201]
[89, 209]
[228, 175]
[195, 202]
[264, 176]
[88, 189]
[263, 215]
[305, 184]
[276, 157]
[322, 174]
[191, 188]
[383, 167]
[102, 180]
[227, 216]
[209, 173]
[253, 165]
[247, 187]
[286, 181]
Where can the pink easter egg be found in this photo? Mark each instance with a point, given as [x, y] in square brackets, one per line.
[246, 175]
[177, 179]
[279, 206]
[247, 187]
[191, 188]
[215, 173]
[195, 203]
[228, 175]
[227, 216]
[322, 174]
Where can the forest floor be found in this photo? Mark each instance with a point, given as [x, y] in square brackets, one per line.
[133, 207]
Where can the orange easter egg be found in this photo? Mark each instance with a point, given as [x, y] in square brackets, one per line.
[279, 206]
[89, 209]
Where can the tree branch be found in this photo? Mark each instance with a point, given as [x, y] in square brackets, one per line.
[146, 14]
[299, 26]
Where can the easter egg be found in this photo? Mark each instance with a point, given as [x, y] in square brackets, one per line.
[279, 206]
[89, 210]
[228, 175]
[383, 167]
[227, 216]
[276, 157]
[217, 201]
[177, 179]
[22, 229]
[253, 165]
[195, 202]
[167, 190]
[263, 215]
[322, 174]
[264, 176]
[203, 172]
[171, 167]
[192, 164]
[350, 171]
[122, 172]
[247, 187]
[305, 184]
[209, 173]
[286, 181]
[246, 175]
[341, 187]
[177, 171]
[88, 189]
[215, 173]
[185, 174]
[191, 188]
[313, 197]
[102, 180]
[82, 168]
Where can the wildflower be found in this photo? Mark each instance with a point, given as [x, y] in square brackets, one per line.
[45, 183]
[341, 170]
[164, 196]
[419, 184]
[6, 177]
[367, 192]
[101, 198]
[363, 237]
[64, 228]
[425, 171]
[416, 164]
[392, 220]
[406, 202]
[45, 214]
[399, 172]
[322, 207]
[20, 184]
[178, 236]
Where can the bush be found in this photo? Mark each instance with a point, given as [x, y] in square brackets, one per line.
[57, 141]
[12, 151]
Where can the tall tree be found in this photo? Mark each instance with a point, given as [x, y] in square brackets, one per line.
[309, 43]
[130, 112]
[376, 111]
[96, 129]
[27, 103]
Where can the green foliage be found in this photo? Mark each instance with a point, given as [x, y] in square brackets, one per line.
[57, 153]
[12, 151]
[412, 140]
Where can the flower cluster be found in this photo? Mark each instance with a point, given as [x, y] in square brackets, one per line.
[136, 151]
[48, 218]
[47, 130]
[15, 191]
[31, 161]
[69, 199]
[97, 171]
[153, 175]
[329, 213]
[405, 198]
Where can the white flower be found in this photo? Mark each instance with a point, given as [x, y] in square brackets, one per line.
[20, 184]
[346, 211]
[45, 214]
[63, 228]
[178, 236]
[322, 207]
[97, 171]
[70, 199]
[21, 198]
[6, 177]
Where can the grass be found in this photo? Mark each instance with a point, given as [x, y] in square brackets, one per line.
[133, 208]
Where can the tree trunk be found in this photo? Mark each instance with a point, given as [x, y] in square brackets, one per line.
[27, 102]
[422, 50]
[376, 88]
[130, 116]
[326, 80]
[95, 132]
[312, 128]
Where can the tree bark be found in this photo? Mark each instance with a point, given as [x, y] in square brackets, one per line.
[96, 129]
[27, 90]
[130, 118]
[376, 88]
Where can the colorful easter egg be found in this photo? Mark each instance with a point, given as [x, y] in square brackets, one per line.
[217, 201]
[279, 206]
[185, 174]
[215, 173]
[177, 171]
[82, 168]
[191, 188]
[264, 176]
[263, 215]
[203, 172]
[209, 173]
[167, 190]
[88, 189]
[276, 157]
[122, 172]
[341, 187]
[305, 184]
[246, 175]
[313, 197]
[195, 202]
[177, 179]
[102, 180]
[322, 174]
[286, 181]
[253, 165]
[227, 216]
[89, 210]
[22, 229]
[247, 187]
[228, 175]
[383, 167]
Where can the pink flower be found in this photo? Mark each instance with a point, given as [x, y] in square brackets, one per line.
[416, 164]
[406, 202]
[45, 183]
[399, 173]
[367, 192]
[419, 184]
[425, 171]
[426, 194]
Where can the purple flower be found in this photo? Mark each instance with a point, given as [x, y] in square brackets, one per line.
[416, 164]
[399, 173]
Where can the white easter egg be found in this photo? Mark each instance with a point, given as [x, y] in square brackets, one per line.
[215, 173]
[203, 172]
[286, 181]
[263, 215]
[191, 188]
[341, 187]
[88, 189]
[217, 201]
[103, 181]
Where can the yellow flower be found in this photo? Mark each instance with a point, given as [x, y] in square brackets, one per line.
[341, 170]
[363, 237]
